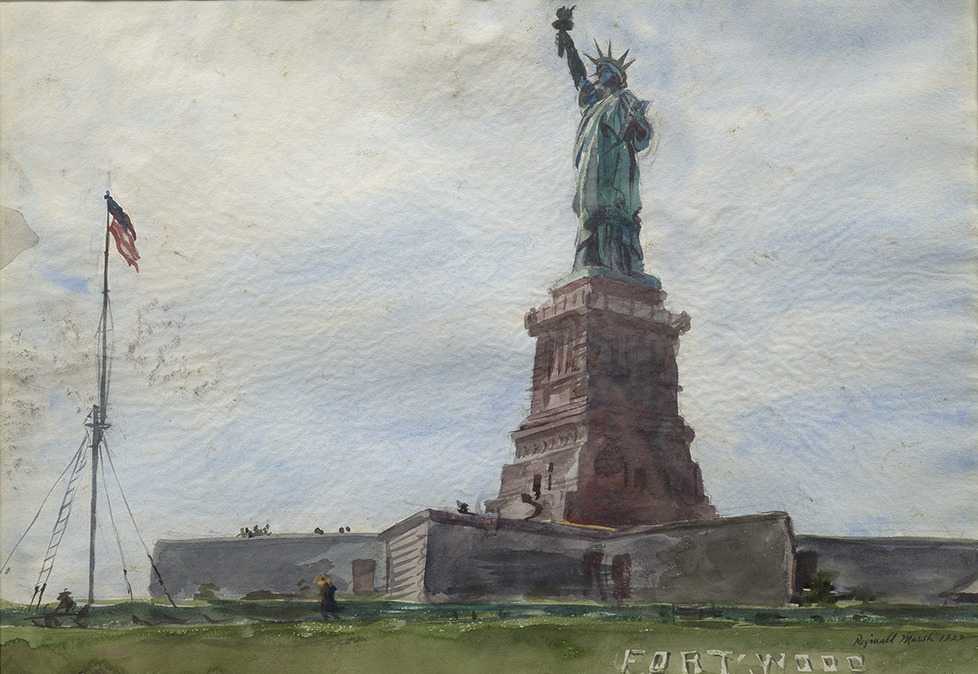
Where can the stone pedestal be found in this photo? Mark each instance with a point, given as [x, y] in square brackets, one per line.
[604, 443]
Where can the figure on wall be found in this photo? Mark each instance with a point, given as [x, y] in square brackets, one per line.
[612, 131]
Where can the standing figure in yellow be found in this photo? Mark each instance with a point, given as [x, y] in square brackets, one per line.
[327, 597]
[613, 130]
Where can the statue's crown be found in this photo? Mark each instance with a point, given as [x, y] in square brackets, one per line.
[607, 59]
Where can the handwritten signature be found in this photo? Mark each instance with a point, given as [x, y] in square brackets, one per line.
[908, 638]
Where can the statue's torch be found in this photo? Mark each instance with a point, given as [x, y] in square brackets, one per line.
[564, 23]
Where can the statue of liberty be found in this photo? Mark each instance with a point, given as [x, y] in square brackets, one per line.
[613, 130]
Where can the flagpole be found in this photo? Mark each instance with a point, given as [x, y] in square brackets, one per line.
[98, 416]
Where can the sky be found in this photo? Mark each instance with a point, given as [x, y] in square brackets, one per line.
[344, 210]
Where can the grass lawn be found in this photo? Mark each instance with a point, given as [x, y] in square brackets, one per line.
[456, 644]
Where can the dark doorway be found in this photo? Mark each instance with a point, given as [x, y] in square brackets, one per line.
[621, 576]
[806, 566]
[594, 575]
[363, 576]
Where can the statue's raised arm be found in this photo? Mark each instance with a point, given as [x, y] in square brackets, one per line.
[565, 44]
[612, 131]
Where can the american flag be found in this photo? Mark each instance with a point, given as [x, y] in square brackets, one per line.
[123, 232]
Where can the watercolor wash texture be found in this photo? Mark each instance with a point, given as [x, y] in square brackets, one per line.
[344, 210]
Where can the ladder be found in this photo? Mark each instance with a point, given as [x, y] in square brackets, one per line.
[62, 522]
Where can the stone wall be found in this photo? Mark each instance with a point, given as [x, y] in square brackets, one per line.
[446, 557]
[741, 560]
[470, 560]
[915, 570]
[442, 557]
[736, 560]
[277, 563]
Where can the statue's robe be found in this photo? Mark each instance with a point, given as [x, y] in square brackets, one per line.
[607, 201]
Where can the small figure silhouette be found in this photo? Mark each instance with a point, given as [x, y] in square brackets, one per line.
[65, 602]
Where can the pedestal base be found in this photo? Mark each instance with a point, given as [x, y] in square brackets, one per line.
[604, 443]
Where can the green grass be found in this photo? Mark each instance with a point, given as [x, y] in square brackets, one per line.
[432, 640]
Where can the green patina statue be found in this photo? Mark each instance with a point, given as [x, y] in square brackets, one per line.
[613, 129]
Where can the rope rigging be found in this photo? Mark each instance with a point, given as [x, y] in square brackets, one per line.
[106, 326]
[156, 571]
[115, 530]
